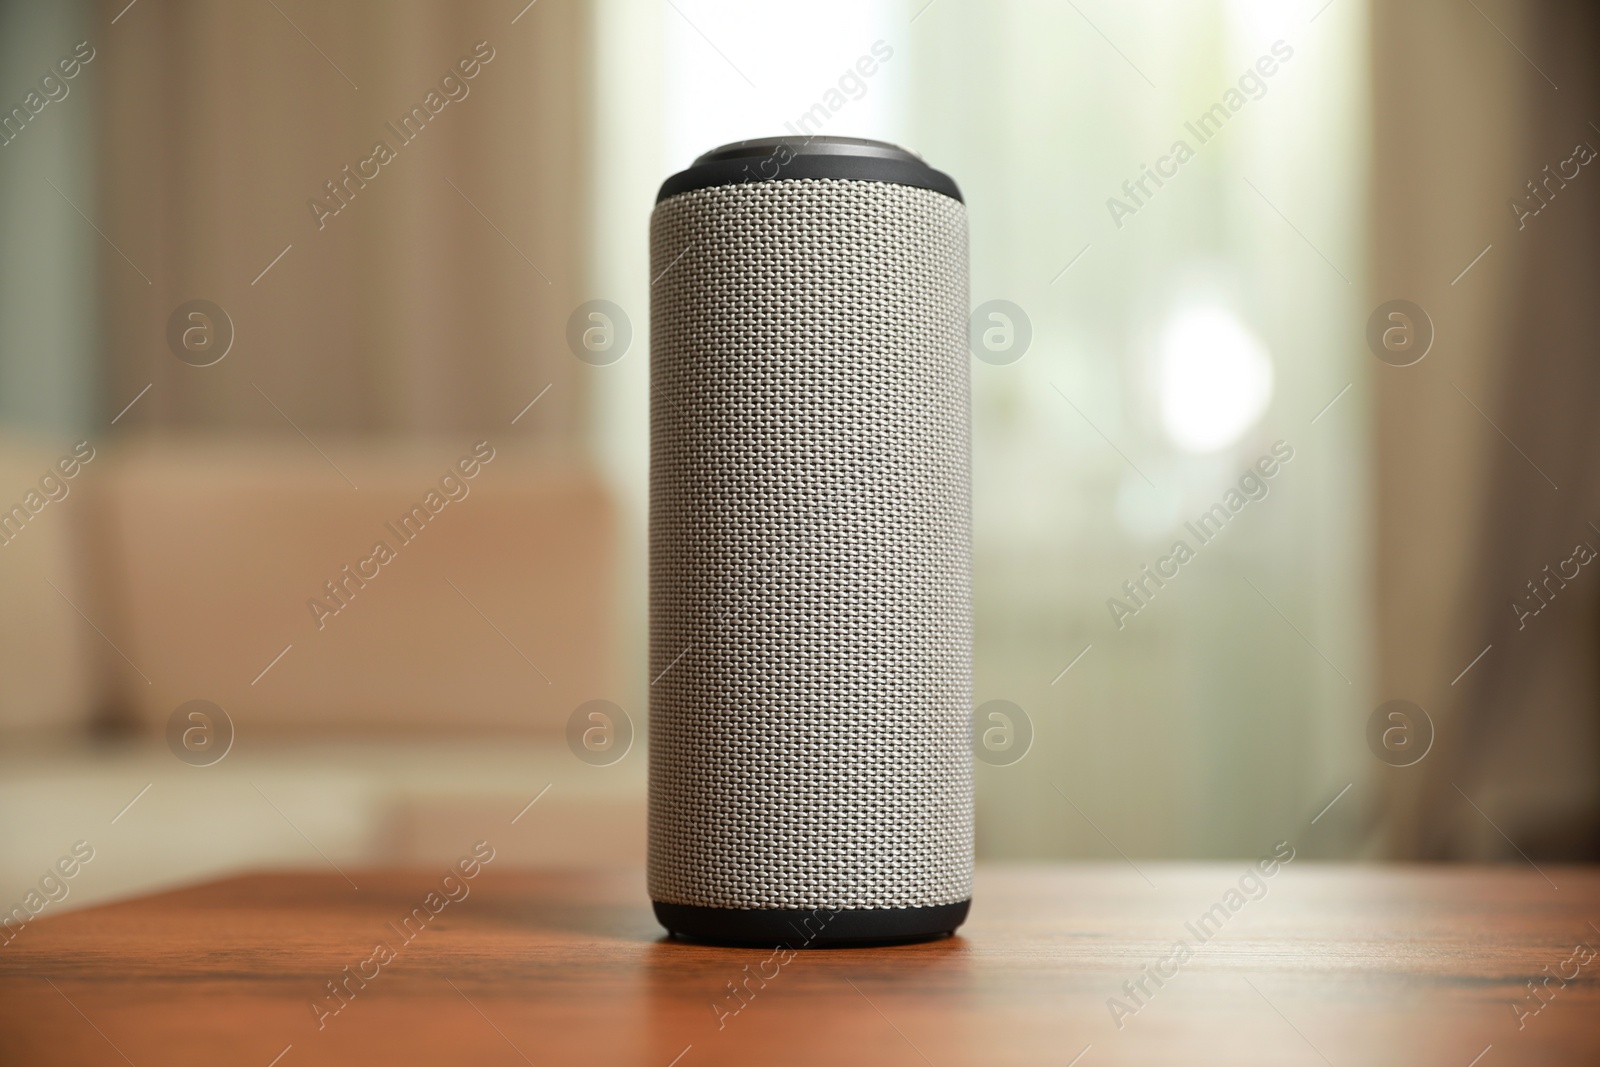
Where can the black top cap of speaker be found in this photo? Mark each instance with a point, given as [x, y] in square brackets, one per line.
[790, 158]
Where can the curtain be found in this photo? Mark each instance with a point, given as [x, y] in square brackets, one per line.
[418, 287]
[1485, 463]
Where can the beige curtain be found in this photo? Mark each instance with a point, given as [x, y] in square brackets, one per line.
[436, 298]
[1467, 112]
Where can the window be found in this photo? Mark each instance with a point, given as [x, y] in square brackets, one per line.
[1173, 197]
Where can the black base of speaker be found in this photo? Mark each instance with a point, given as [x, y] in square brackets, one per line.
[808, 928]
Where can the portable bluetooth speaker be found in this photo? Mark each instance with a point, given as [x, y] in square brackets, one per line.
[810, 547]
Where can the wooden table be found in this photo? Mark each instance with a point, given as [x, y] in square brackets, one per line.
[1340, 965]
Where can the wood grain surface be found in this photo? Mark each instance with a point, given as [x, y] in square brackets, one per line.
[1327, 965]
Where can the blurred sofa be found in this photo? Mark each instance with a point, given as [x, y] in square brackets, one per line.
[383, 710]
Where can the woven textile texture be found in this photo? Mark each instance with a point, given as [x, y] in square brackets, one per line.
[810, 548]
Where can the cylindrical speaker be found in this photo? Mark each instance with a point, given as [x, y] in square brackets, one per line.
[810, 547]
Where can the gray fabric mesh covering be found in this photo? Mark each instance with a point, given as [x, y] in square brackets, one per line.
[810, 548]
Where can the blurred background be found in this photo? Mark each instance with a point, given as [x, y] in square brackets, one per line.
[241, 344]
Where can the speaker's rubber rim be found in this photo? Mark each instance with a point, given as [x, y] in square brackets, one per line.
[811, 928]
[717, 172]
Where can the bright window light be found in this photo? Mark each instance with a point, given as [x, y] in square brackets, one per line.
[1215, 379]
[735, 70]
